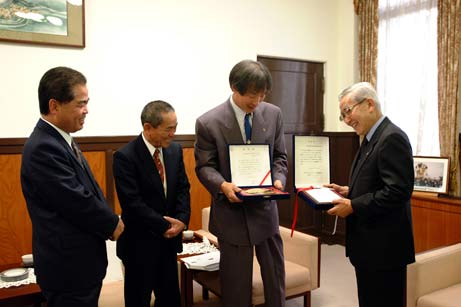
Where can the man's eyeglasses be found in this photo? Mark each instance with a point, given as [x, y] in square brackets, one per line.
[348, 109]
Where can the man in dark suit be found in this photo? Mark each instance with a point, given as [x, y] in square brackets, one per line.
[70, 218]
[153, 189]
[379, 236]
[243, 226]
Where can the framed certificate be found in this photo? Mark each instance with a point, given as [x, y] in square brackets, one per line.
[251, 170]
[311, 170]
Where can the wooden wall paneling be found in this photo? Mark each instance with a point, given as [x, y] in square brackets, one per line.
[199, 196]
[436, 220]
[112, 197]
[106, 145]
[15, 224]
[97, 162]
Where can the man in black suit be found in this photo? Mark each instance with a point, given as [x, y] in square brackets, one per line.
[153, 189]
[379, 237]
[70, 218]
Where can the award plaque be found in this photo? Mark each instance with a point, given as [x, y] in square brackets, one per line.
[250, 166]
[311, 170]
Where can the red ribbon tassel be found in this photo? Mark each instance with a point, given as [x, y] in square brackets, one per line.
[264, 179]
[295, 211]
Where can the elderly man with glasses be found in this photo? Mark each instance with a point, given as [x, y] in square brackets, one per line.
[379, 237]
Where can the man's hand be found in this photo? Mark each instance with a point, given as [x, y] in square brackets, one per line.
[278, 185]
[229, 189]
[118, 230]
[176, 227]
[342, 207]
[343, 190]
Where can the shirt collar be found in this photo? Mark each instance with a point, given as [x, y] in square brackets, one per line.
[238, 112]
[151, 147]
[373, 129]
[64, 134]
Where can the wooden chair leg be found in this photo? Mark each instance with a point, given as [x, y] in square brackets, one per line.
[307, 299]
[205, 294]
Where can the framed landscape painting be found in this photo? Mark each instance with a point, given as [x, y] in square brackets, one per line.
[431, 174]
[51, 22]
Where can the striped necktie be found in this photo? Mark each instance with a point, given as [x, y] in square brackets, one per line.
[159, 165]
[77, 152]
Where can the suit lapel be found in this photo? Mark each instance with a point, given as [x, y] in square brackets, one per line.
[258, 135]
[370, 147]
[231, 130]
[170, 164]
[147, 163]
[82, 172]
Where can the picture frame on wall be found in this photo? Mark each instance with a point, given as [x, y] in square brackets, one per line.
[431, 174]
[52, 22]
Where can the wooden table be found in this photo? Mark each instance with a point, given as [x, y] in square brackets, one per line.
[188, 276]
[24, 295]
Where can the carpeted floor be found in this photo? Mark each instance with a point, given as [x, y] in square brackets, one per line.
[337, 284]
[337, 280]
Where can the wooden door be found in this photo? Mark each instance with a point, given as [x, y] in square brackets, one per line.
[298, 91]
[298, 88]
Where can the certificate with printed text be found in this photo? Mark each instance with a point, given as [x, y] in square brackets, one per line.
[311, 160]
[250, 165]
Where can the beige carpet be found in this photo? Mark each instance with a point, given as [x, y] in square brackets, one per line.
[337, 284]
[337, 280]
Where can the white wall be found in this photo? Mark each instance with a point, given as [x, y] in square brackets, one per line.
[179, 51]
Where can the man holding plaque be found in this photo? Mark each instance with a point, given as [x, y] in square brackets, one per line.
[243, 226]
[379, 237]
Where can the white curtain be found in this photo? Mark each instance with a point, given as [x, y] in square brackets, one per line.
[407, 70]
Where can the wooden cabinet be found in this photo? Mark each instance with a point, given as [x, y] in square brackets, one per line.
[436, 220]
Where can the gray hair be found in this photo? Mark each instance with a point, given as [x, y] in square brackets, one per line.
[152, 112]
[360, 91]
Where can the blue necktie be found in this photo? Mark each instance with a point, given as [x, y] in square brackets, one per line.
[247, 125]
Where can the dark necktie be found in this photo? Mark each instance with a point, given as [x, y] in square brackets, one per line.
[363, 149]
[159, 165]
[247, 126]
[77, 152]
[361, 155]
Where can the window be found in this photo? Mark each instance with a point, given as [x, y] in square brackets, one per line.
[407, 70]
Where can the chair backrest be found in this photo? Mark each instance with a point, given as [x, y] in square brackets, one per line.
[433, 270]
[302, 249]
[205, 218]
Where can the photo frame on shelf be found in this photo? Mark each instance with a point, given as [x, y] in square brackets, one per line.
[431, 174]
[54, 22]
